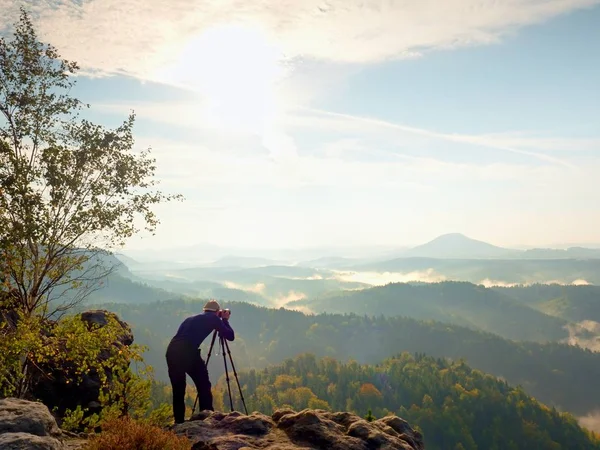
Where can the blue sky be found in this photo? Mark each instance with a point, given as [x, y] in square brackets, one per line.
[350, 123]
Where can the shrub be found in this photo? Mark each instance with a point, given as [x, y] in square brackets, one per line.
[128, 434]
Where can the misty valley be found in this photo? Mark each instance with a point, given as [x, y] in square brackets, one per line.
[540, 336]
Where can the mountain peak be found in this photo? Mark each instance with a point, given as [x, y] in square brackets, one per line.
[457, 245]
[454, 236]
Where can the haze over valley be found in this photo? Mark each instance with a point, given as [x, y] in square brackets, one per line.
[305, 274]
[495, 299]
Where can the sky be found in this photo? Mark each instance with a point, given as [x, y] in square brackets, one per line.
[345, 122]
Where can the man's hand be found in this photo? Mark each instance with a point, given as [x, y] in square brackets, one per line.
[225, 313]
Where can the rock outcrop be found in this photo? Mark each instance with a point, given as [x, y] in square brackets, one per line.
[60, 392]
[26, 425]
[99, 318]
[306, 429]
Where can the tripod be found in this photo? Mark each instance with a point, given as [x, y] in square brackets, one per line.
[224, 345]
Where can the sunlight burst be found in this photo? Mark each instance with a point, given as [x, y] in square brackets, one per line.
[235, 69]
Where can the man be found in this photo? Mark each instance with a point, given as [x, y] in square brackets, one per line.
[183, 356]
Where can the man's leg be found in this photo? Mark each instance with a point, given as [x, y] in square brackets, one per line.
[177, 377]
[199, 374]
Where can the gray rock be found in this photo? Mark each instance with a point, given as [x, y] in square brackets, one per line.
[99, 318]
[17, 415]
[26, 425]
[291, 430]
[27, 441]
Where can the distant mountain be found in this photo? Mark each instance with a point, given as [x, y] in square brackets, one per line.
[243, 261]
[458, 246]
[142, 266]
[204, 253]
[130, 263]
[191, 254]
[327, 262]
[120, 289]
[553, 253]
[493, 271]
[292, 272]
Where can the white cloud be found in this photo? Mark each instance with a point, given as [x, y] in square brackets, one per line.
[586, 334]
[337, 161]
[141, 36]
[278, 141]
[192, 165]
[258, 288]
[284, 299]
[487, 282]
[382, 278]
[591, 421]
[530, 140]
[492, 141]
[189, 114]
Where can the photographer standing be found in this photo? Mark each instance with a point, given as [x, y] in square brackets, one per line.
[183, 356]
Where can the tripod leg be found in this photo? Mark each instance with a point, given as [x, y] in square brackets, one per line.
[212, 343]
[211, 346]
[236, 377]
[226, 372]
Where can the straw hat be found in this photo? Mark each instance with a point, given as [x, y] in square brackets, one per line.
[212, 305]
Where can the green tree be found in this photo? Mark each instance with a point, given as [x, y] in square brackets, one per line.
[31, 350]
[451, 404]
[70, 190]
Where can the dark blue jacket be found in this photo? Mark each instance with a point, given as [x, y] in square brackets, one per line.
[194, 329]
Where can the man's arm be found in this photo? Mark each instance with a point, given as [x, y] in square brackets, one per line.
[225, 329]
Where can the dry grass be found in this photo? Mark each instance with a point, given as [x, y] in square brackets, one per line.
[127, 434]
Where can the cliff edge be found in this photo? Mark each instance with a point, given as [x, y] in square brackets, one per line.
[291, 430]
[29, 425]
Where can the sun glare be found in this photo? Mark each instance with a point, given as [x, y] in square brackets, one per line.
[235, 69]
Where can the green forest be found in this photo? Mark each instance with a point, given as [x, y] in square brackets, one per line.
[455, 406]
[268, 335]
[573, 303]
[460, 303]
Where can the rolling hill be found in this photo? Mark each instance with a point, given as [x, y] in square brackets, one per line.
[460, 303]
[573, 303]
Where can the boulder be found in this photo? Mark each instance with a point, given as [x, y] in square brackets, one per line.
[99, 317]
[26, 425]
[26, 441]
[61, 392]
[306, 429]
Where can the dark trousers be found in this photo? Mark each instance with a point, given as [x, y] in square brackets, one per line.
[182, 359]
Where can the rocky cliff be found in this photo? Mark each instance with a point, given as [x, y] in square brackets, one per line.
[26, 425]
[290, 430]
